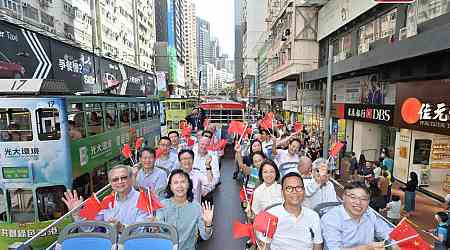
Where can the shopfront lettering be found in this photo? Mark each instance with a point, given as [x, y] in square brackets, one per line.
[369, 113]
[22, 233]
[32, 153]
[9, 36]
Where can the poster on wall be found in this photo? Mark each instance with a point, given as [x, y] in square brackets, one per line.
[402, 151]
[23, 54]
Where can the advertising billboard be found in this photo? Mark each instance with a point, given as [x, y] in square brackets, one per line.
[27, 55]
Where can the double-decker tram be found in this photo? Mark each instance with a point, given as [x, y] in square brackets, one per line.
[52, 143]
[176, 110]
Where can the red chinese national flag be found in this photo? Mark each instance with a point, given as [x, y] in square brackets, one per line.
[236, 127]
[126, 151]
[266, 223]
[190, 142]
[404, 230]
[109, 201]
[298, 127]
[222, 144]
[158, 153]
[245, 194]
[243, 230]
[148, 201]
[267, 121]
[138, 143]
[336, 148]
[91, 208]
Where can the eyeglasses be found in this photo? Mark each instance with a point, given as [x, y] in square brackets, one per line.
[354, 198]
[164, 144]
[297, 189]
[117, 179]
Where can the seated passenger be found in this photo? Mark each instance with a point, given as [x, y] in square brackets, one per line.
[291, 154]
[298, 226]
[202, 185]
[74, 132]
[269, 192]
[181, 211]
[125, 211]
[319, 189]
[146, 175]
[201, 157]
[167, 159]
[353, 226]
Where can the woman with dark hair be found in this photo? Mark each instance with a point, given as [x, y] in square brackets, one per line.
[186, 215]
[410, 194]
[377, 200]
[255, 146]
[269, 192]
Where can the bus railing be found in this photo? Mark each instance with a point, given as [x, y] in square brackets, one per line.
[27, 243]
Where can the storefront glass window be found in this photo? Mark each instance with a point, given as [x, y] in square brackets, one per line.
[422, 152]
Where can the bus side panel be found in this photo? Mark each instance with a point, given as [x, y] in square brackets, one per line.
[48, 159]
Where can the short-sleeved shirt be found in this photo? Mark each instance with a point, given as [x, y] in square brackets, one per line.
[295, 233]
[441, 230]
[170, 163]
[283, 156]
[389, 164]
[339, 230]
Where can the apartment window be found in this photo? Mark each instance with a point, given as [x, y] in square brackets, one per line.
[380, 28]
[31, 12]
[429, 9]
[47, 19]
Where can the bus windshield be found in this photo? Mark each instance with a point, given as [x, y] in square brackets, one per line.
[15, 124]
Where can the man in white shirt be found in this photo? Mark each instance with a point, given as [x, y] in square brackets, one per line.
[319, 189]
[298, 227]
[287, 155]
[201, 158]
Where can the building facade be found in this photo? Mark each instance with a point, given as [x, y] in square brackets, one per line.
[238, 60]
[190, 34]
[203, 50]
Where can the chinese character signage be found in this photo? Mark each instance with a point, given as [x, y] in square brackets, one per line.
[382, 114]
[424, 105]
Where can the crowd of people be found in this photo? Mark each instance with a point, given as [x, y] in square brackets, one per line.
[282, 172]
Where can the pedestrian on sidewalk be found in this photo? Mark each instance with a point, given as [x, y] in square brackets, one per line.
[393, 209]
[410, 194]
[353, 167]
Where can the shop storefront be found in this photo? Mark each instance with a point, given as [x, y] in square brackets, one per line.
[423, 142]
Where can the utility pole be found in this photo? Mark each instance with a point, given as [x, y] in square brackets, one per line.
[326, 137]
[199, 84]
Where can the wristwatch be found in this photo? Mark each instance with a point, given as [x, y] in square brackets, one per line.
[209, 168]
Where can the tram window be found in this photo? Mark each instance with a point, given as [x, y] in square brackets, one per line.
[149, 110]
[76, 121]
[175, 105]
[82, 185]
[142, 111]
[2, 206]
[49, 203]
[48, 124]
[134, 113]
[157, 109]
[95, 118]
[111, 116]
[21, 205]
[183, 105]
[100, 178]
[15, 124]
[124, 114]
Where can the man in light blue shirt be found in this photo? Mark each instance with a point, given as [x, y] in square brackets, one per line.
[352, 226]
[123, 210]
[147, 176]
[168, 158]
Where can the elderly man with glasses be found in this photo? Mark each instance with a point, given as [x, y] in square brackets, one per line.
[298, 226]
[352, 226]
[319, 189]
[124, 212]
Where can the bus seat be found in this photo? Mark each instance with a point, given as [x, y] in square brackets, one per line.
[143, 236]
[323, 208]
[73, 237]
[273, 205]
[287, 167]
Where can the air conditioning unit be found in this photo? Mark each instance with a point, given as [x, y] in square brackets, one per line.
[25, 5]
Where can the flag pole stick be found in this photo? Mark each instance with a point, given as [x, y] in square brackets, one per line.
[150, 200]
[245, 128]
[402, 240]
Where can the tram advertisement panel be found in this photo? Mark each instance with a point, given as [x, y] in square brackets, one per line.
[34, 142]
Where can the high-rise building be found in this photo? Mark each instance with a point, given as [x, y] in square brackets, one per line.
[170, 42]
[203, 51]
[238, 41]
[190, 38]
[214, 51]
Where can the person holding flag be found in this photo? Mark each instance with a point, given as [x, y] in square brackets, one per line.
[298, 226]
[352, 225]
[166, 159]
[146, 174]
[182, 211]
[291, 154]
[118, 208]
